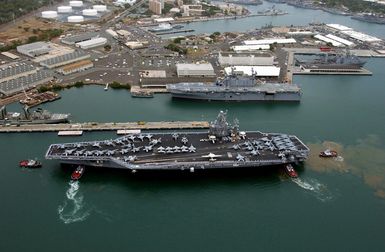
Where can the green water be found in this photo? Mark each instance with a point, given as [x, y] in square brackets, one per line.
[114, 210]
[334, 206]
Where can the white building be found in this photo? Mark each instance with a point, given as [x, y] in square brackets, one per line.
[202, 70]
[247, 59]
[361, 36]
[328, 40]
[249, 48]
[270, 41]
[341, 40]
[339, 27]
[92, 43]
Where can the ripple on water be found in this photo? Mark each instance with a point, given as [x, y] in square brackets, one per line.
[73, 208]
[316, 188]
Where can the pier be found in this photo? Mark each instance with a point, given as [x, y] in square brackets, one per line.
[94, 126]
[174, 32]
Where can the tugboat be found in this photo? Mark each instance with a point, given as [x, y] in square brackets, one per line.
[290, 171]
[328, 153]
[30, 163]
[77, 174]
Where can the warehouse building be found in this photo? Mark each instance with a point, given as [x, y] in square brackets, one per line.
[65, 59]
[328, 40]
[341, 40]
[34, 49]
[25, 82]
[75, 67]
[270, 41]
[71, 40]
[247, 59]
[92, 43]
[202, 70]
[14, 71]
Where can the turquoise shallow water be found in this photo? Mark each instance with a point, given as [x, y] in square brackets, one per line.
[336, 205]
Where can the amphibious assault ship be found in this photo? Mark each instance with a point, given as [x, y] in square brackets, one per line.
[236, 88]
[222, 146]
[38, 116]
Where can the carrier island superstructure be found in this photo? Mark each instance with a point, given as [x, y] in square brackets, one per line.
[222, 146]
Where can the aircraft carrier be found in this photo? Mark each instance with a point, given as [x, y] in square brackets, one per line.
[222, 146]
[236, 88]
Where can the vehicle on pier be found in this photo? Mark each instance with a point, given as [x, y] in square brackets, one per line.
[223, 146]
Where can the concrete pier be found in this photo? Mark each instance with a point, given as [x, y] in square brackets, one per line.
[93, 126]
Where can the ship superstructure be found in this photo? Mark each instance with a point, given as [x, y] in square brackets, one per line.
[236, 88]
[223, 146]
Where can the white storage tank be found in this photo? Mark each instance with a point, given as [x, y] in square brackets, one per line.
[100, 8]
[76, 3]
[75, 19]
[90, 12]
[49, 14]
[64, 9]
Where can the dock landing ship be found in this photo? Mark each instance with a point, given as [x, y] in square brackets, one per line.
[222, 146]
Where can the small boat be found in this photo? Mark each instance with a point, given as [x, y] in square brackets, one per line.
[290, 171]
[142, 94]
[77, 174]
[328, 153]
[30, 163]
[106, 87]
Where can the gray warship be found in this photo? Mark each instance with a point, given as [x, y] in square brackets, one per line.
[339, 61]
[223, 146]
[370, 18]
[39, 116]
[236, 88]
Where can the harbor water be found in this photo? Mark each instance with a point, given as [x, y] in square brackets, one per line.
[334, 205]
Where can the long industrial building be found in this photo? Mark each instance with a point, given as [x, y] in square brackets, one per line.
[25, 82]
[75, 67]
[340, 40]
[270, 41]
[203, 70]
[92, 43]
[328, 40]
[65, 59]
[17, 70]
[247, 59]
[249, 48]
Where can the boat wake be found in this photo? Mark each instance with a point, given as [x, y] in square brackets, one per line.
[73, 208]
[319, 190]
[339, 159]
